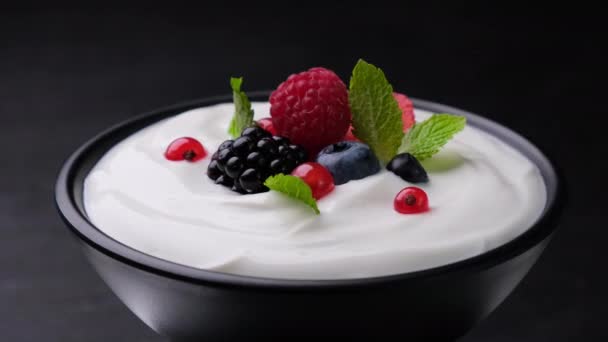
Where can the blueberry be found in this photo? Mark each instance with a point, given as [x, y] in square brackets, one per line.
[408, 168]
[348, 160]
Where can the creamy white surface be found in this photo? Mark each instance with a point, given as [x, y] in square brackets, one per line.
[482, 194]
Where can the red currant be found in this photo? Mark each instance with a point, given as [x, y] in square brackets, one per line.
[267, 125]
[411, 200]
[185, 148]
[317, 177]
[350, 136]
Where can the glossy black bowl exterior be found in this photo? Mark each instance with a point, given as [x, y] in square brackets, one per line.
[185, 303]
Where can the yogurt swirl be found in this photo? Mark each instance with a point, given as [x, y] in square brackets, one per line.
[482, 194]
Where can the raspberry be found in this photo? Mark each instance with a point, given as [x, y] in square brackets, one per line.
[350, 136]
[244, 164]
[407, 115]
[311, 109]
[266, 124]
[407, 109]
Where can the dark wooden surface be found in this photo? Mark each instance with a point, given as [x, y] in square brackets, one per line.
[65, 74]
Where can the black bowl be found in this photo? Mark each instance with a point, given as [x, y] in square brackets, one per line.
[185, 303]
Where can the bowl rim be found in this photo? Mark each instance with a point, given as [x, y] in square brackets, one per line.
[76, 220]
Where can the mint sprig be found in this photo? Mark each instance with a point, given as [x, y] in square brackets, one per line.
[293, 187]
[243, 114]
[426, 138]
[376, 114]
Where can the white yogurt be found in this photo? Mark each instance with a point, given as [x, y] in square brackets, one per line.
[482, 194]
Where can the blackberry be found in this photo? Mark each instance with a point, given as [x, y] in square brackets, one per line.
[244, 164]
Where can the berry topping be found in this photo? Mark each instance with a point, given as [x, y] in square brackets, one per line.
[224, 180]
[236, 187]
[407, 110]
[268, 147]
[233, 167]
[411, 200]
[213, 171]
[256, 160]
[280, 140]
[283, 150]
[243, 145]
[317, 177]
[408, 168]
[251, 181]
[185, 148]
[276, 166]
[348, 133]
[350, 136]
[226, 144]
[223, 156]
[297, 152]
[311, 109]
[348, 160]
[244, 164]
[267, 125]
[255, 132]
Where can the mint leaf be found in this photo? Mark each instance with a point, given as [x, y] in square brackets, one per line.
[243, 114]
[426, 138]
[293, 187]
[376, 114]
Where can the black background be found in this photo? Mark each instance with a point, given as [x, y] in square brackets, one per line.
[68, 73]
